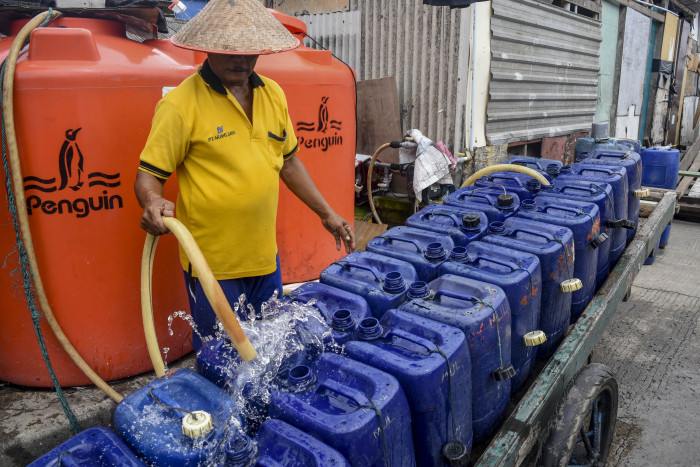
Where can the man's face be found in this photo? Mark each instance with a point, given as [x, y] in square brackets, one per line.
[232, 70]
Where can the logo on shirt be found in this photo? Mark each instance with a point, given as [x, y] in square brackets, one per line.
[220, 133]
[324, 131]
[71, 178]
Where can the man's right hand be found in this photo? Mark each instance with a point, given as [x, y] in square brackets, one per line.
[155, 209]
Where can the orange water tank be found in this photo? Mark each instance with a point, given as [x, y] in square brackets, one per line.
[320, 92]
[84, 100]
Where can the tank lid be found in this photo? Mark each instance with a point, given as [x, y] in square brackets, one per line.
[196, 424]
[471, 220]
[534, 338]
[553, 170]
[571, 285]
[505, 201]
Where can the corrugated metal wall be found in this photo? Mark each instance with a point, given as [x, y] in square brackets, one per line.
[419, 45]
[544, 71]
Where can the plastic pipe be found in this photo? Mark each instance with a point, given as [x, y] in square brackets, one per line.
[18, 188]
[370, 173]
[211, 288]
[505, 168]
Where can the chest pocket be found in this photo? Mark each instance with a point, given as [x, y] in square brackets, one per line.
[275, 145]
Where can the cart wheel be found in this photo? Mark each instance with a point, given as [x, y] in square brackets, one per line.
[582, 429]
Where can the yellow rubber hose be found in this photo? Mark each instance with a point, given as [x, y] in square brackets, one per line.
[370, 173]
[505, 168]
[18, 187]
[211, 288]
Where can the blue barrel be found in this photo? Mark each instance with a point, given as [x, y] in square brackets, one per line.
[617, 179]
[632, 163]
[95, 447]
[342, 310]
[461, 225]
[280, 444]
[431, 361]
[356, 409]
[601, 194]
[583, 219]
[496, 202]
[155, 431]
[381, 280]
[422, 248]
[514, 182]
[481, 311]
[660, 170]
[554, 247]
[518, 274]
[536, 163]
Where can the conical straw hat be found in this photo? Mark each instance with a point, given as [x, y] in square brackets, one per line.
[235, 27]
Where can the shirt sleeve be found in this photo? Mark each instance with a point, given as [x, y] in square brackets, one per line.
[167, 143]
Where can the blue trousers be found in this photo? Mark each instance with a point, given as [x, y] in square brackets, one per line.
[257, 290]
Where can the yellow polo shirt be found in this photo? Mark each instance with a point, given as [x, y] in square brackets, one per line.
[227, 168]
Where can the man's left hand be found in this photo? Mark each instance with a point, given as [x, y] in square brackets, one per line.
[341, 230]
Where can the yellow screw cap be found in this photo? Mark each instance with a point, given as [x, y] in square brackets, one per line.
[571, 285]
[644, 192]
[196, 424]
[534, 338]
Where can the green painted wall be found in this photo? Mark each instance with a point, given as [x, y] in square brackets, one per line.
[608, 52]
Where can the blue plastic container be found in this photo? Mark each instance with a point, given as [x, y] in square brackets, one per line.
[407, 347]
[481, 311]
[94, 447]
[356, 409]
[280, 444]
[660, 170]
[632, 163]
[634, 145]
[496, 202]
[554, 247]
[461, 225]
[341, 309]
[583, 219]
[381, 280]
[652, 256]
[519, 275]
[601, 194]
[421, 248]
[588, 145]
[615, 177]
[536, 163]
[514, 182]
[155, 432]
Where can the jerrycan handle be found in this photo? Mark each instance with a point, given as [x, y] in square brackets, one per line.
[560, 208]
[412, 338]
[506, 176]
[164, 398]
[506, 264]
[353, 394]
[352, 264]
[319, 305]
[456, 295]
[456, 221]
[66, 459]
[390, 239]
[472, 195]
[544, 235]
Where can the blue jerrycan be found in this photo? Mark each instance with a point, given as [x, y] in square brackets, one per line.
[461, 225]
[181, 419]
[588, 145]
[660, 170]
[381, 280]
[536, 163]
[481, 311]
[625, 144]
[354, 408]
[342, 310]
[615, 177]
[424, 250]
[518, 274]
[602, 196]
[514, 182]
[495, 201]
[95, 447]
[583, 219]
[280, 444]
[554, 247]
[632, 163]
[431, 362]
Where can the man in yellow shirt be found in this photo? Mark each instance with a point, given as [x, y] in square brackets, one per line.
[226, 131]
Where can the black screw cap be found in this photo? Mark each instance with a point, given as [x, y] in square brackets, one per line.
[599, 240]
[455, 453]
[471, 220]
[503, 373]
[505, 201]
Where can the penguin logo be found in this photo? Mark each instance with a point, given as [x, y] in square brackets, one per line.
[70, 162]
[323, 116]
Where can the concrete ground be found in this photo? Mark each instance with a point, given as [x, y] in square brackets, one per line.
[652, 346]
